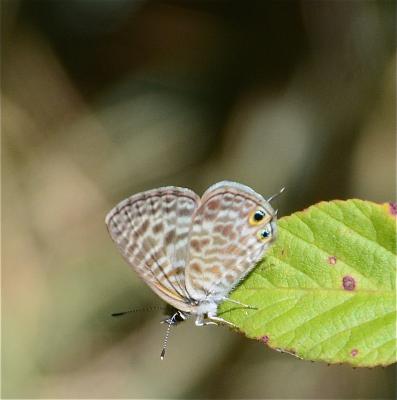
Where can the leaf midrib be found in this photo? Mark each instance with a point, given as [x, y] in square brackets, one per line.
[319, 289]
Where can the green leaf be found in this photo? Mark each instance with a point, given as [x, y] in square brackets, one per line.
[325, 291]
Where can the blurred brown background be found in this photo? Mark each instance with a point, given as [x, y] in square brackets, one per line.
[102, 99]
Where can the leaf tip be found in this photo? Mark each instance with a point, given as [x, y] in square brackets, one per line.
[393, 208]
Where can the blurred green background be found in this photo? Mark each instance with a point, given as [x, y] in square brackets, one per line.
[102, 99]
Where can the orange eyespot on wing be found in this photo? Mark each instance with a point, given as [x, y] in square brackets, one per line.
[265, 235]
[259, 217]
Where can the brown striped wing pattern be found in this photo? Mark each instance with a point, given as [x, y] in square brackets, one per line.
[151, 229]
[226, 240]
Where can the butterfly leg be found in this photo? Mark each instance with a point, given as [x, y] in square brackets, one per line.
[210, 323]
[240, 304]
[199, 320]
[218, 320]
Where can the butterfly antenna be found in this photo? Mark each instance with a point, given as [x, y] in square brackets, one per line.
[152, 308]
[276, 194]
[167, 334]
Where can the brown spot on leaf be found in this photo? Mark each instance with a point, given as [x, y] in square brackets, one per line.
[332, 260]
[393, 209]
[354, 352]
[349, 283]
[265, 339]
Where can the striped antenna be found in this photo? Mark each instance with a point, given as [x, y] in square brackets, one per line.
[167, 334]
[276, 194]
[151, 308]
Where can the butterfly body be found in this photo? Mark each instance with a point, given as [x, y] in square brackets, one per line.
[193, 251]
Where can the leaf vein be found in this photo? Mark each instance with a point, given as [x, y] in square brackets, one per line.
[320, 314]
[296, 269]
[316, 246]
[271, 306]
[357, 232]
[350, 329]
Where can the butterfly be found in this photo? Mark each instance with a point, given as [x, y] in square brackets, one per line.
[193, 251]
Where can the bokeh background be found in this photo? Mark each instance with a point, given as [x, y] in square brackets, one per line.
[102, 99]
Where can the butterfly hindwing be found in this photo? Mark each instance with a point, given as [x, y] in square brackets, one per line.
[225, 240]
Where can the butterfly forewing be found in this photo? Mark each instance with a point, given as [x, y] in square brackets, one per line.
[151, 230]
[225, 240]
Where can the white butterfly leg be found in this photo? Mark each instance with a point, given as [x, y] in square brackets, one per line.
[210, 323]
[199, 320]
[212, 320]
[237, 302]
[215, 320]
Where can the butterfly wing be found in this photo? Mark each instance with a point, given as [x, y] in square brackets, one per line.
[231, 229]
[151, 230]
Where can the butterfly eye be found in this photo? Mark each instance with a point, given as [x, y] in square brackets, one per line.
[264, 235]
[257, 217]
